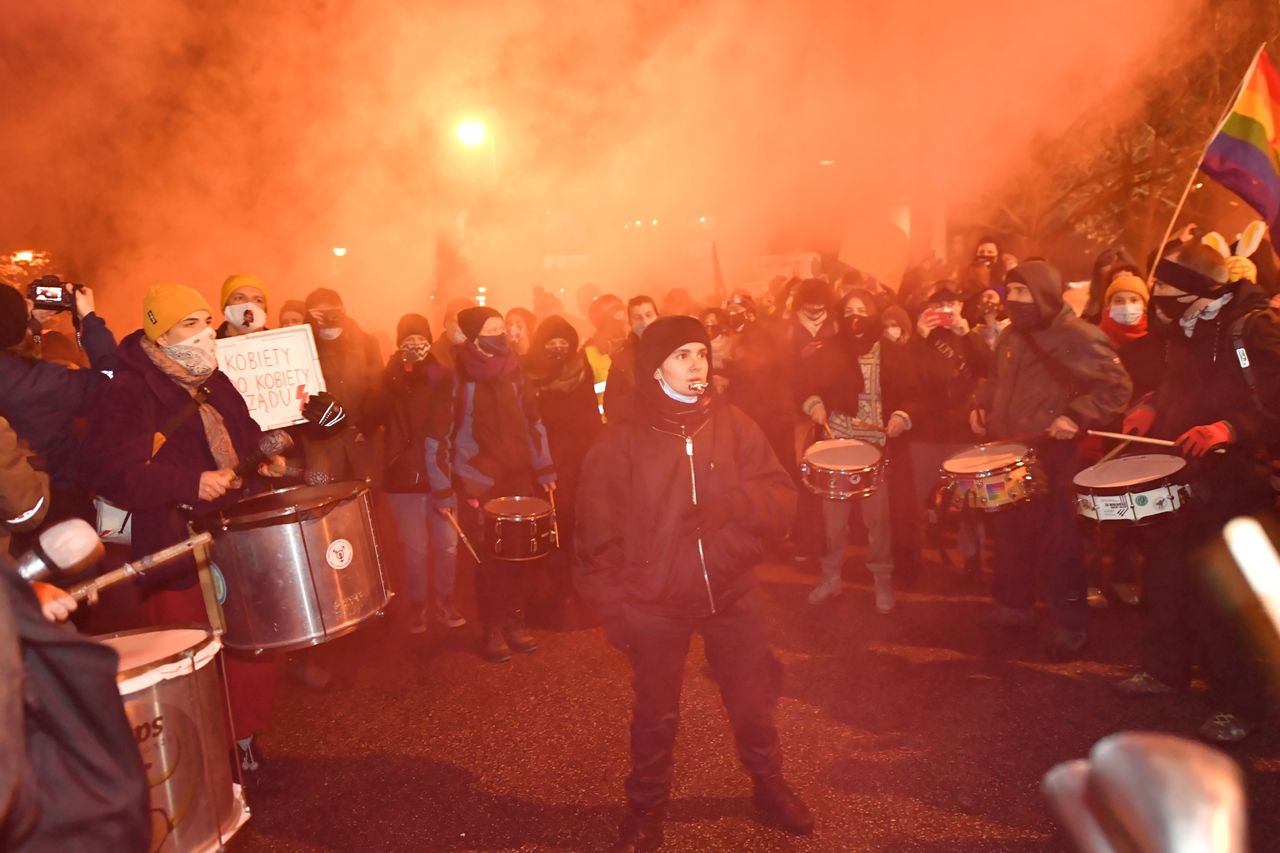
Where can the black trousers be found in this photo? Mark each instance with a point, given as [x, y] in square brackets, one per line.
[743, 666]
[1189, 601]
[502, 586]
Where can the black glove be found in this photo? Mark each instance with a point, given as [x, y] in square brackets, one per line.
[706, 517]
[324, 411]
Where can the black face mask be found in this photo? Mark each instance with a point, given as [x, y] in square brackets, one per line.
[557, 356]
[1025, 316]
[738, 322]
[493, 344]
[1168, 309]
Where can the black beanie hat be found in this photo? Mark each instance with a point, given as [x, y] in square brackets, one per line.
[13, 317]
[553, 327]
[472, 320]
[664, 336]
[412, 324]
[323, 296]
[814, 291]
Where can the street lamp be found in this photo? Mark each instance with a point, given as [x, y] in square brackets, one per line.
[472, 133]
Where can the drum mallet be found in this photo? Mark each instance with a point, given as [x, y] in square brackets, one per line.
[89, 589]
[448, 513]
[1141, 439]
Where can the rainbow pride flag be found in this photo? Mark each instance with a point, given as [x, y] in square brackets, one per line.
[1244, 156]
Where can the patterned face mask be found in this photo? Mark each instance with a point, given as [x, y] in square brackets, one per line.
[198, 354]
[414, 352]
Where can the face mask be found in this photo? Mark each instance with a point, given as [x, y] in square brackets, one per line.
[331, 333]
[1168, 309]
[493, 344]
[414, 352]
[856, 323]
[1023, 315]
[197, 354]
[457, 336]
[1127, 315]
[557, 356]
[893, 333]
[714, 332]
[738, 321]
[671, 392]
[246, 316]
[814, 316]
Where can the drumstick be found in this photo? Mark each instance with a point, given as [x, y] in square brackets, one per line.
[1141, 439]
[89, 589]
[555, 520]
[448, 513]
[1111, 454]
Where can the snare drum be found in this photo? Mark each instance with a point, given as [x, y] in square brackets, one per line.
[518, 528]
[991, 477]
[175, 698]
[1132, 490]
[840, 469]
[297, 567]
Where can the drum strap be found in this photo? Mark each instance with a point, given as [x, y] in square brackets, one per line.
[1246, 368]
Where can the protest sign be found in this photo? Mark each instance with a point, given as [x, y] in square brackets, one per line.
[275, 371]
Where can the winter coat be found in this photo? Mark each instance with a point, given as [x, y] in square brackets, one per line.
[1202, 380]
[1076, 372]
[352, 372]
[43, 399]
[497, 434]
[619, 405]
[415, 404]
[948, 370]
[567, 404]
[125, 460]
[635, 491]
[24, 492]
[761, 378]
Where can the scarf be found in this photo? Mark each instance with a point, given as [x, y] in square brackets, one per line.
[1207, 312]
[215, 428]
[568, 378]
[813, 327]
[483, 367]
[1121, 334]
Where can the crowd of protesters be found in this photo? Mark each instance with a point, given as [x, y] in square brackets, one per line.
[726, 396]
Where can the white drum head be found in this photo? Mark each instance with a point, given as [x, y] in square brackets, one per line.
[1130, 470]
[985, 457]
[148, 657]
[842, 454]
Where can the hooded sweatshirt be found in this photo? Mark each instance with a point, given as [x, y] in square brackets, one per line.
[1064, 366]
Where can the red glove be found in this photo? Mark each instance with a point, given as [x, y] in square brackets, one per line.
[1199, 440]
[1139, 421]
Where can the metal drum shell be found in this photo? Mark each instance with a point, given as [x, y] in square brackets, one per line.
[842, 484]
[1022, 477]
[1172, 487]
[520, 536]
[180, 723]
[302, 572]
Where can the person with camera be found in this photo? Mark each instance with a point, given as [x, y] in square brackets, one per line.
[172, 431]
[44, 399]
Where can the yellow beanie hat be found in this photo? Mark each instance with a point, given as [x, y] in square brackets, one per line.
[166, 304]
[1126, 282]
[235, 282]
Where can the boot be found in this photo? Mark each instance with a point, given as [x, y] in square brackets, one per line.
[782, 807]
[884, 592]
[496, 649]
[827, 589]
[518, 637]
[640, 831]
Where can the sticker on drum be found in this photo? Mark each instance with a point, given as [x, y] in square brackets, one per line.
[219, 583]
[339, 554]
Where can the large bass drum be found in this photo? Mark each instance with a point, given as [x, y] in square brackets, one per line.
[297, 567]
[175, 699]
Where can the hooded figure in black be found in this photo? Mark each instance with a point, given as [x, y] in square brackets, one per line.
[562, 383]
[1207, 402]
[672, 519]
[1052, 377]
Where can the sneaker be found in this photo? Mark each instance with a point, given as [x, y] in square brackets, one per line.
[1143, 684]
[825, 591]
[449, 617]
[418, 620]
[496, 649]
[1014, 618]
[1097, 599]
[884, 593]
[1127, 593]
[780, 806]
[1226, 728]
[517, 636]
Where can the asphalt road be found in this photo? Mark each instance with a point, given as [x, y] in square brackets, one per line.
[921, 730]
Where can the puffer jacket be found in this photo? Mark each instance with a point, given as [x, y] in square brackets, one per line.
[636, 487]
[1075, 373]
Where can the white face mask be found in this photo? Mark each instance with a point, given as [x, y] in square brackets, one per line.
[671, 392]
[457, 335]
[893, 333]
[1128, 314]
[331, 333]
[198, 354]
[247, 316]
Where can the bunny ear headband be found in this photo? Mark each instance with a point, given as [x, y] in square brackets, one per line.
[1238, 264]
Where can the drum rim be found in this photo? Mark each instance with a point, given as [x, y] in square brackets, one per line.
[231, 522]
[877, 462]
[489, 514]
[1169, 479]
[1023, 460]
[189, 651]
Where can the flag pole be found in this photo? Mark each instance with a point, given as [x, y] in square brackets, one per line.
[1177, 211]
